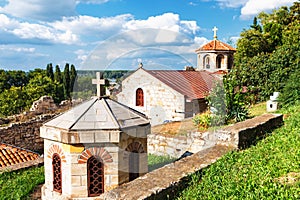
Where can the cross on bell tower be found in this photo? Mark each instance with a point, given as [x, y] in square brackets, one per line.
[100, 83]
[215, 29]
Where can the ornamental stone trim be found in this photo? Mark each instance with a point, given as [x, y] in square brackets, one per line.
[56, 149]
[97, 152]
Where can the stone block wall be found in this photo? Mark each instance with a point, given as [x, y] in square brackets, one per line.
[25, 134]
[164, 182]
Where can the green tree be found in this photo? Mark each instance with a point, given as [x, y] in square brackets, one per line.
[66, 82]
[49, 71]
[73, 75]
[57, 75]
[12, 101]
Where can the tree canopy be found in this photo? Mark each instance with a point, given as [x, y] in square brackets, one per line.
[268, 53]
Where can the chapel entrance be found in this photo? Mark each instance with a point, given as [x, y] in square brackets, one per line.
[95, 178]
[134, 162]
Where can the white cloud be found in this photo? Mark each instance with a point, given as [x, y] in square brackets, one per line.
[231, 3]
[40, 10]
[87, 25]
[253, 7]
[33, 31]
[17, 49]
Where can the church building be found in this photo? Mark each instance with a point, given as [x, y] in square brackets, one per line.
[172, 95]
[215, 56]
[93, 148]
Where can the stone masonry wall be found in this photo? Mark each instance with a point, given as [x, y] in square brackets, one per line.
[25, 134]
[175, 175]
[240, 135]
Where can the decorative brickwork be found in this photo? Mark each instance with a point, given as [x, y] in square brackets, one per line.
[56, 149]
[135, 147]
[97, 152]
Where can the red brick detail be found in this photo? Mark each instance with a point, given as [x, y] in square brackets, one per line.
[97, 152]
[135, 147]
[56, 149]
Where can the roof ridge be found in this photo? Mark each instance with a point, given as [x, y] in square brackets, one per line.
[82, 114]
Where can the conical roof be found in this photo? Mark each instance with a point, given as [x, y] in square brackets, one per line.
[98, 114]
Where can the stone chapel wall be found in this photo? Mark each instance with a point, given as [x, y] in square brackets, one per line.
[161, 102]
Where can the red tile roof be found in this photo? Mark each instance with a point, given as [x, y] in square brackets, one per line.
[11, 155]
[193, 84]
[216, 45]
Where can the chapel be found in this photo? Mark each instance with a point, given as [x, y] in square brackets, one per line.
[215, 56]
[173, 95]
[92, 148]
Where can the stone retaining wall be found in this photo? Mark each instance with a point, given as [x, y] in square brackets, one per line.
[240, 135]
[25, 134]
[164, 182]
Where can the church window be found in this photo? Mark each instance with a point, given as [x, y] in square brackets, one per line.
[56, 165]
[206, 62]
[139, 97]
[220, 61]
[134, 162]
[95, 171]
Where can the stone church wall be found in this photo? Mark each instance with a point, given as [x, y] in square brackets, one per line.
[25, 134]
[161, 102]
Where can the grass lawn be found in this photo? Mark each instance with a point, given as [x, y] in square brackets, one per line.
[269, 170]
[155, 162]
[257, 109]
[19, 184]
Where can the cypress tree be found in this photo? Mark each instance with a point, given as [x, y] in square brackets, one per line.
[66, 82]
[49, 71]
[73, 75]
[58, 75]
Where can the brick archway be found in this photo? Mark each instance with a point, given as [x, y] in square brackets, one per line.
[97, 152]
[55, 149]
[133, 152]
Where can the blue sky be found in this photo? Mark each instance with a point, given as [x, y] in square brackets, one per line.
[118, 34]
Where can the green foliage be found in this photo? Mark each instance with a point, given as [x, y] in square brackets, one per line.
[236, 100]
[202, 121]
[155, 162]
[291, 92]
[66, 82]
[261, 172]
[19, 89]
[49, 71]
[265, 58]
[217, 103]
[19, 184]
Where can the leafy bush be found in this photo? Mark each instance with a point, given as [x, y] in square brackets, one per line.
[203, 120]
[291, 92]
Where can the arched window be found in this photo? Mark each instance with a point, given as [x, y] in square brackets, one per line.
[56, 165]
[206, 62]
[95, 179]
[139, 97]
[134, 162]
[220, 61]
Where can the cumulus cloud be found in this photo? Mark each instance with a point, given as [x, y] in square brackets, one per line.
[87, 25]
[253, 7]
[232, 3]
[33, 31]
[40, 10]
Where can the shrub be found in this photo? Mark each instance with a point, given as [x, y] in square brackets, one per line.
[203, 120]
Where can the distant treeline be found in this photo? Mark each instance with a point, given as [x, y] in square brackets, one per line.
[108, 74]
[18, 89]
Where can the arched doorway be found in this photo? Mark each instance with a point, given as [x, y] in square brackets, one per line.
[95, 178]
[134, 149]
[134, 168]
